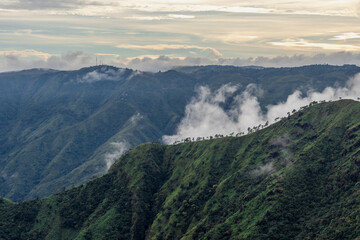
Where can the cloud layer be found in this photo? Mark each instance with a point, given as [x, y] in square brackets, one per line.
[19, 60]
[205, 116]
[185, 31]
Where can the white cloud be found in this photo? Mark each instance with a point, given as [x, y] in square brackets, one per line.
[25, 53]
[118, 149]
[295, 100]
[346, 36]
[19, 60]
[232, 28]
[103, 74]
[213, 51]
[231, 38]
[54, 4]
[263, 170]
[106, 7]
[156, 63]
[136, 118]
[161, 17]
[301, 43]
[199, 8]
[205, 116]
[327, 8]
[181, 16]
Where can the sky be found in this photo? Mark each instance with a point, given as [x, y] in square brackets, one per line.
[153, 35]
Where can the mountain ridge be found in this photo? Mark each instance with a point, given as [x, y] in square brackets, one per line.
[296, 179]
[55, 131]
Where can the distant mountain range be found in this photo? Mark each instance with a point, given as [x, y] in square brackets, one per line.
[57, 128]
[296, 179]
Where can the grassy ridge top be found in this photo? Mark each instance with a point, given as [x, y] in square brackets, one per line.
[297, 179]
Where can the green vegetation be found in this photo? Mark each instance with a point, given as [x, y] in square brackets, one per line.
[297, 179]
[56, 129]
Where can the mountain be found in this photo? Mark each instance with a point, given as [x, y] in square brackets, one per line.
[58, 128]
[296, 179]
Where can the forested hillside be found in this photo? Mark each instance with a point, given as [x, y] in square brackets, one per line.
[296, 179]
[57, 127]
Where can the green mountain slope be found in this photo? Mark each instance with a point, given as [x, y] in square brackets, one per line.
[56, 127]
[297, 179]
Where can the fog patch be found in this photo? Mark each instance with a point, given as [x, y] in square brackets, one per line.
[103, 74]
[136, 118]
[281, 157]
[134, 74]
[117, 150]
[282, 142]
[263, 170]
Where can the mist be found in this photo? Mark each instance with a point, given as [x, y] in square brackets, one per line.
[205, 116]
[118, 149]
[103, 74]
[263, 170]
[285, 157]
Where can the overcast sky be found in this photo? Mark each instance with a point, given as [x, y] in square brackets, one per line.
[158, 34]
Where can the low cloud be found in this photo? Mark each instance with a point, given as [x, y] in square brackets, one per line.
[213, 51]
[205, 115]
[282, 142]
[103, 74]
[19, 60]
[117, 150]
[263, 170]
[163, 63]
[26, 59]
[136, 118]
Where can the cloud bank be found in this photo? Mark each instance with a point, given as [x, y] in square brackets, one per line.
[163, 63]
[26, 59]
[205, 115]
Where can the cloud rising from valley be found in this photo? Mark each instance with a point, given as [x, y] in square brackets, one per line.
[206, 116]
[119, 148]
